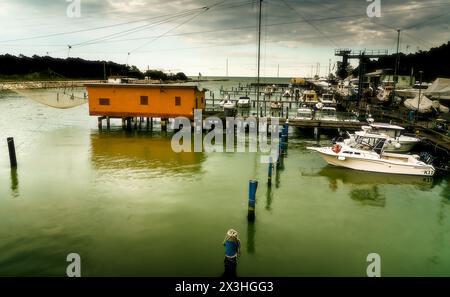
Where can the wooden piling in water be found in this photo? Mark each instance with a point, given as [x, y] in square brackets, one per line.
[164, 125]
[100, 122]
[269, 175]
[129, 125]
[108, 123]
[12, 152]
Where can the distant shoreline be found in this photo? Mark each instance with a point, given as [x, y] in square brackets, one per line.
[43, 84]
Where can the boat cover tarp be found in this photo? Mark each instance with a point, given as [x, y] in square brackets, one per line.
[439, 89]
[426, 104]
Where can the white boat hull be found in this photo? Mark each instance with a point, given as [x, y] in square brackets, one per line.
[375, 165]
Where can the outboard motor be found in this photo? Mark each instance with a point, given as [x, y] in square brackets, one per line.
[426, 157]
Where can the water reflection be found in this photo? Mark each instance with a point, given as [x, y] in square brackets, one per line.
[446, 192]
[368, 196]
[353, 177]
[269, 197]
[14, 183]
[251, 237]
[141, 153]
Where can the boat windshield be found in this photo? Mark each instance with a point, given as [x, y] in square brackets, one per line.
[366, 142]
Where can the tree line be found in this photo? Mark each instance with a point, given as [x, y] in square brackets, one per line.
[46, 67]
[434, 63]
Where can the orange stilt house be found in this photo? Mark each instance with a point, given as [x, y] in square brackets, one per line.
[125, 100]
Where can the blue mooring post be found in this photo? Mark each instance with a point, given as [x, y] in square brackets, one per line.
[252, 187]
[269, 177]
[12, 152]
[286, 130]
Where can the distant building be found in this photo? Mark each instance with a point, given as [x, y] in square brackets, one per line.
[298, 81]
[144, 100]
[121, 79]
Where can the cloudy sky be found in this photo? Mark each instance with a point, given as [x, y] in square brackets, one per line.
[200, 35]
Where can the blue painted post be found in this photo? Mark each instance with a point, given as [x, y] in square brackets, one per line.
[286, 130]
[269, 177]
[252, 187]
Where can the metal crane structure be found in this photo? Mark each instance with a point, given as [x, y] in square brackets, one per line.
[347, 54]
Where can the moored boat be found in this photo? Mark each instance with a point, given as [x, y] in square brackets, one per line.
[374, 159]
[396, 141]
[304, 113]
[243, 102]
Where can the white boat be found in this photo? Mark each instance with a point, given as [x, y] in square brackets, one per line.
[275, 105]
[385, 93]
[374, 159]
[304, 113]
[396, 142]
[327, 99]
[326, 114]
[268, 90]
[229, 104]
[309, 96]
[287, 93]
[243, 102]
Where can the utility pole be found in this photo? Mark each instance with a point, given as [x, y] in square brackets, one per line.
[259, 54]
[396, 65]
[420, 91]
[278, 71]
[396, 58]
[329, 67]
[104, 70]
[227, 67]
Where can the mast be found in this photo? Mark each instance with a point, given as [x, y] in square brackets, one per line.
[259, 58]
[396, 65]
[227, 67]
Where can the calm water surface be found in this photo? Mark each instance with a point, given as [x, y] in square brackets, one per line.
[130, 206]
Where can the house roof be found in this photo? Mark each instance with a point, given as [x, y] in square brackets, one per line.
[146, 85]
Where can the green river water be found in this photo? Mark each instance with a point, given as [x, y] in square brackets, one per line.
[129, 206]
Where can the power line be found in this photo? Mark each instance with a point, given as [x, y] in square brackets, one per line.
[205, 9]
[309, 23]
[96, 28]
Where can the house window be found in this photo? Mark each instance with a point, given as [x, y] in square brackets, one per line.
[144, 100]
[177, 101]
[103, 101]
